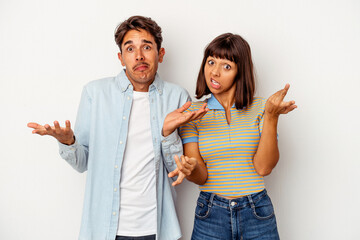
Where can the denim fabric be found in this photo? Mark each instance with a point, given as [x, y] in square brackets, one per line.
[101, 134]
[248, 217]
[149, 237]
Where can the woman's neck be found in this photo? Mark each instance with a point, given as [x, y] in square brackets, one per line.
[226, 99]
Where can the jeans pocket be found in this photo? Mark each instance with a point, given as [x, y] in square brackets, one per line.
[203, 208]
[263, 208]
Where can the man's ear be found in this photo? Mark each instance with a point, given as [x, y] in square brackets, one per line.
[121, 59]
[161, 54]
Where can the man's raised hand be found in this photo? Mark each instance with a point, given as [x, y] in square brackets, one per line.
[64, 135]
[179, 117]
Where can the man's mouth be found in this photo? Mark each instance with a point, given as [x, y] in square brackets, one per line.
[141, 67]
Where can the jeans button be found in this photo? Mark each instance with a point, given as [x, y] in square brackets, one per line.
[233, 204]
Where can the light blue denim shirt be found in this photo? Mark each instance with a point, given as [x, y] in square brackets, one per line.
[101, 133]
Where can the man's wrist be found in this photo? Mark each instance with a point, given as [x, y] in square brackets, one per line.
[70, 142]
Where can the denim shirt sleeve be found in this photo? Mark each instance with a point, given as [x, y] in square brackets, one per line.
[172, 145]
[77, 154]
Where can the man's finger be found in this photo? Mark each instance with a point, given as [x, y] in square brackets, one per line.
[67, 125]
[48, 129]
[33, 125]
[184, 107]
[57, 127]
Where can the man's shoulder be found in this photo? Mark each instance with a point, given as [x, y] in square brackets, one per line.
[101, 83]
[173, 88]
[104, 85]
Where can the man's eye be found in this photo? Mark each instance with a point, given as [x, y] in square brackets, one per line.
[211, 62]
[129, 49]
[147, 47]
[227, 66]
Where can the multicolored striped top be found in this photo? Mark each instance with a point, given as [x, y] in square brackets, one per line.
[228, 149]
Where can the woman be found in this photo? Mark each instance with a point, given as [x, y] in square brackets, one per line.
[234, 144]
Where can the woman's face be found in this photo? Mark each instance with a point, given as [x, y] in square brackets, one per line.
[220, 74]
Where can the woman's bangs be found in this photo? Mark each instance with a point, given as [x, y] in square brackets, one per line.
[224, 51]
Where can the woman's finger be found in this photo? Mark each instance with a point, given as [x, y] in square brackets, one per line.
[184, 107]
[174, 173]
[283, 92]
[179, 179]
[289, 109]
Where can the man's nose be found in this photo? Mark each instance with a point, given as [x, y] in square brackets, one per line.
[139, 56]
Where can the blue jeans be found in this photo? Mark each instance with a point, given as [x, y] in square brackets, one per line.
[150, 237]
[249, 217]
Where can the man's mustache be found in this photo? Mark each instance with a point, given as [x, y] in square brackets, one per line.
[140, 64]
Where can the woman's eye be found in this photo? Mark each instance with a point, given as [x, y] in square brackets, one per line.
[227, 66]
[211, 62]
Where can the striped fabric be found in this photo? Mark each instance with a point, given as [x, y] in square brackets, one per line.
[228, 150]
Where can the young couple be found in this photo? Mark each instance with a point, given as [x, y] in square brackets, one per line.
[126, 137]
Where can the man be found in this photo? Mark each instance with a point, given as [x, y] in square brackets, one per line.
[118, 139]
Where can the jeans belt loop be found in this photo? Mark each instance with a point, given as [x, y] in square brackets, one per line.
[251, 201]
[211, 199]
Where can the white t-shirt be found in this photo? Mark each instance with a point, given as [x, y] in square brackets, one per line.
[137, 215]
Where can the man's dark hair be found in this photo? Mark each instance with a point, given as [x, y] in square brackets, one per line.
[233, 48]
[138, 23]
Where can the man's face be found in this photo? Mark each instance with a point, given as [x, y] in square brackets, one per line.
[140, 56]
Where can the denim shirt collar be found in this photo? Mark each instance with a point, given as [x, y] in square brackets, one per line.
[213, 103]
[124, 83]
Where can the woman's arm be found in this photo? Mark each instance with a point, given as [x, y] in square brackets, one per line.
[199, 174]
[190, 166]
[267, 154]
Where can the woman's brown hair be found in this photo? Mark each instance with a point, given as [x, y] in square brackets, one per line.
[234, 48]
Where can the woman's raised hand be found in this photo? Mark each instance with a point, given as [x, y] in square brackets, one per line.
[276, 105]
[179, 117]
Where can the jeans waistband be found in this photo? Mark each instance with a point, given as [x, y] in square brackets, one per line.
[236, 202]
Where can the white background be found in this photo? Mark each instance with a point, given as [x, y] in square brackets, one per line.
[49, 49]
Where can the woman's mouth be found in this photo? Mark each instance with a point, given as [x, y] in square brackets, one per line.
[214, 84]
